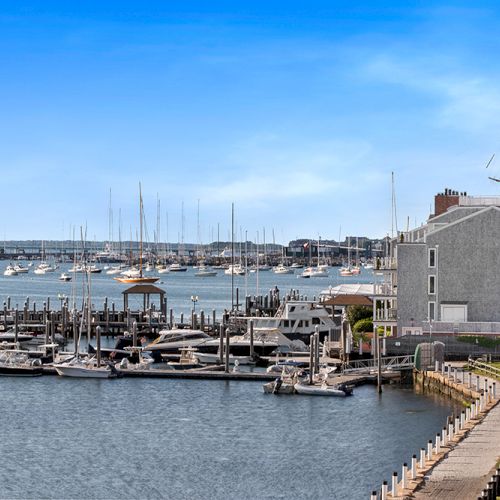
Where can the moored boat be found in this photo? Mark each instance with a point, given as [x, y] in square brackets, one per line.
[338, 390]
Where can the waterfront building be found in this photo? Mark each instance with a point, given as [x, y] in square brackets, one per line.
[444, 277]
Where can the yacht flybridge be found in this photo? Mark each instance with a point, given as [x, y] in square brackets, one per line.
[298, 319]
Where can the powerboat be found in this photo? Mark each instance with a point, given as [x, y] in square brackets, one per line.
[187, 360]
[10, 271]
[282, 269]
[346, 271]
[85, 368]
[236, 270]
[16, 363]
[205, 272]
[177, 268]
[172, 341]
[20, 269]
[337, 390]
[65, 277]
[213, 359]
[314, 272]
[297, 320]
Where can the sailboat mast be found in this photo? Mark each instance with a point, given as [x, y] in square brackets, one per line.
[232, 257]
[140, 226]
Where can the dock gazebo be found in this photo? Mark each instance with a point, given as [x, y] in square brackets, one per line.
[146, 291]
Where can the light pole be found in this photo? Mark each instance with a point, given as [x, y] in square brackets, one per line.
[194, 299]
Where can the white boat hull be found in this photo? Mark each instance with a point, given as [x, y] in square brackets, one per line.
[314, 390]
[214, 359]
[83, 372]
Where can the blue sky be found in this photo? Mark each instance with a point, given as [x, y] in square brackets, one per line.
[296, 111]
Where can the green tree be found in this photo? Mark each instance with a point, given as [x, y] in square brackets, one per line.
[355, 313]
[363, 325]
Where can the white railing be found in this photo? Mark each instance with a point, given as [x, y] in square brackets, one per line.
[465, 328]
[384, 289]
[388, 363]
[390, 314]
[484, 367]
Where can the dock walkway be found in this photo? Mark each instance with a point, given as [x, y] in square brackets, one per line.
[466, 470]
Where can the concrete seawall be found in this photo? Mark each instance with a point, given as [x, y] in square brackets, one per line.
[457, 463]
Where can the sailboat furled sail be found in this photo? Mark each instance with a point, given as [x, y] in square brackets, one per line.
[139, 278]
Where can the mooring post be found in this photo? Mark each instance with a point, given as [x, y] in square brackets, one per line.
[413, 467]
[251, 339]
[394, 486]
[74, 322]
[213, 320]
[404, 476]
[202, 320]
[221, 344]
[429, 450]
[8, 303]
[16, 325]
[311, 359]
[385, 491]
[5, 316]
[422, 458]
[134, 333]
[98, 345]
[227, 351]
[316, 350]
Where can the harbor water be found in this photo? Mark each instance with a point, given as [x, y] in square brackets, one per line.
[212, 292]
[198, 439]
[173, 438]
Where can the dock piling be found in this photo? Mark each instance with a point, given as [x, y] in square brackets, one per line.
[385, 491]
[394, 485]
[98, 345]
[413, 472]
[404, 475]
[221, 344]
[227, 351]
[251, 338]
[422, 458]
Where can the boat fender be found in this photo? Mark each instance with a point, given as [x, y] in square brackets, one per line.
[36, 362]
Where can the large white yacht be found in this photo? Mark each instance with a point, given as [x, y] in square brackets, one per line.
[298, 319]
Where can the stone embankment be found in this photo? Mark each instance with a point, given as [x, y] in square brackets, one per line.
[460, 460]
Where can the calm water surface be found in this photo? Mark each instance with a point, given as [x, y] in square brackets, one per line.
[139, 438]
[213, 293]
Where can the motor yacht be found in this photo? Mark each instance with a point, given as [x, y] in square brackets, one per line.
[10, 271]
[282, 269]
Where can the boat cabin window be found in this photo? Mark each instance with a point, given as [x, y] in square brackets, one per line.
[292, 308]
[315, 321]
[306, 323]
[286, 323]
[300, 324]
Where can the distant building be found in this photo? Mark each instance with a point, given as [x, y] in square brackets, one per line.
[444, 277]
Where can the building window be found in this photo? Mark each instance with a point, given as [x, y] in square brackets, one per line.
[432, 284]
[432, 257]
[432, 311]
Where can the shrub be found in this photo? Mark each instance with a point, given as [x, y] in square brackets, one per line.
[355, 313]
[363, 325]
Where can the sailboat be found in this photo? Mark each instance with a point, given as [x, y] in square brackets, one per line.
[140, 278]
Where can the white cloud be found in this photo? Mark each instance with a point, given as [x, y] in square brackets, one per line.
[265, 169]
[463, 100]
